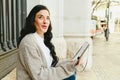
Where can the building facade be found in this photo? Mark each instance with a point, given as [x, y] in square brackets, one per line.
[71, 22]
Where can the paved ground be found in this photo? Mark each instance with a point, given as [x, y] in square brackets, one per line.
[106, 57]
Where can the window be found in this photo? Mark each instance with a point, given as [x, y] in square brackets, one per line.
[12, 18]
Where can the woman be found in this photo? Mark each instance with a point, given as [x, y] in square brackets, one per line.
[37, 59]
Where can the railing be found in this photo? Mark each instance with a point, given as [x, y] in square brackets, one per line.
[12, 18]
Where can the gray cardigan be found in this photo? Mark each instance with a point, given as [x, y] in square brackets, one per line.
[33, 66]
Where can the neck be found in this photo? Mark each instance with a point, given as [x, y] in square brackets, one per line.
[40, 34]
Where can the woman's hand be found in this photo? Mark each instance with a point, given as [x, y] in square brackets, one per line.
[77, 63]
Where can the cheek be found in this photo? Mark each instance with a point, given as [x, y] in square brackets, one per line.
[37, 23]
[49, 23]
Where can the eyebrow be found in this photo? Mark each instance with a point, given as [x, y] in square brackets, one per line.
[42, 15]
[39, 15]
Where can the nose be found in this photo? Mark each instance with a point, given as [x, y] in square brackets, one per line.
[45, 21]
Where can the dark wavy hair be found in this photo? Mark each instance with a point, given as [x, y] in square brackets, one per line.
[30, 28]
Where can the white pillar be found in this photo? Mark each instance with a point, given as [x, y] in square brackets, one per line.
[77, 17]
[56, 13]
[31, 4]
[77, 22]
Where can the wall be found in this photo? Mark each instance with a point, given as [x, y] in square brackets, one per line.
[31, 4]
[69, 21]
[56, 14]
[77, 17]
[77, 25]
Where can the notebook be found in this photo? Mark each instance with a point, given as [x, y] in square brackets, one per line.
[81, 51]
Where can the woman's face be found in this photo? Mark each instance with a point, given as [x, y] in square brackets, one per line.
[42, 21]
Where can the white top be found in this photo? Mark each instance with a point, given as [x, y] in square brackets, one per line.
[45, 49]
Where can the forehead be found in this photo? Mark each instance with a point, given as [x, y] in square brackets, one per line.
[43, 12]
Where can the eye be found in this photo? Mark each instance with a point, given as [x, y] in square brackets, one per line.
[48, 18]
[40, 17]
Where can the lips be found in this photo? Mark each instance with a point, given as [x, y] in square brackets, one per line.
[44, 26]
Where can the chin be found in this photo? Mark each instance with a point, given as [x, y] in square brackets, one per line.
[45, 31]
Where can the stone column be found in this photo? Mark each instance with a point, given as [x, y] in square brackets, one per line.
[77, 23]
[56, 13]
[31, 4]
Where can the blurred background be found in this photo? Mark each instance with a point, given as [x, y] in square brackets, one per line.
[73, 22]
